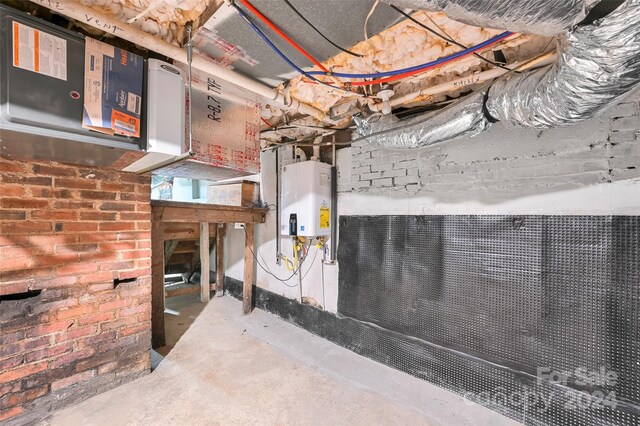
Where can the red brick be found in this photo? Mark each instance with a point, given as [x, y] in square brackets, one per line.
[13, 215]
[45, 169]
[23, 203]
[117, 246]
[80, 227]
[97, 318]
[134, 178]
[26, 180]
[96, 215]
[135, 216]
[128, 331]
[24, 371]
[140, 207]
[13, 337]
[53, 260]
[52, 327]
[97, 237]
[67, 361]
[100, 287]
[133, 273]
[143, 244]
[76, 248]
[105, 280]
[114, 266]
[54, 282]
[98, 195]
[12, 362]
[23, 226]
[126, 236]
[54, 215]
[77, 268]
[23, 397]
[117, 206]
[9, 166]
[143, 226]
[74, 333]
[117, 187]
[8, 264]
[72, 380]
[114, 304]
[11, 412]
[72, 204]
[49, 352]
[135, 254]
[7, 190]
[75, 183]
[75, 312]
[116, 226]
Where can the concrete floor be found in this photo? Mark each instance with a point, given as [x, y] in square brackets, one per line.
[257, 369]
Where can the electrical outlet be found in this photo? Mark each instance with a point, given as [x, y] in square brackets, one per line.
[238, 226]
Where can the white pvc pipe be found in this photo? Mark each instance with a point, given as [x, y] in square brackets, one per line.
[110, 25]
[452, 86]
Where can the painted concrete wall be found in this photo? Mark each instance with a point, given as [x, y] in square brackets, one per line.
[589, 168]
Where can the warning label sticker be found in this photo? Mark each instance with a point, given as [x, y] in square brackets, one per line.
[40, 52]
[325, 217]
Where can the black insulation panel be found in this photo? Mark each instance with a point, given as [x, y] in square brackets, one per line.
[476, 304]
[523, 292]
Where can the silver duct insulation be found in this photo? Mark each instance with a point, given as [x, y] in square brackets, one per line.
[464, 118]
[597, 65]
[544, 17]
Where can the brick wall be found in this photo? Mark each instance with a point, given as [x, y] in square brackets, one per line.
[75, 285]
[600, 150]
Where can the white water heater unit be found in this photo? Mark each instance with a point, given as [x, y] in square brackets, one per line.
[306, 199]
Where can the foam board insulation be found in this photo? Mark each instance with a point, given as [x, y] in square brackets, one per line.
[163, 18]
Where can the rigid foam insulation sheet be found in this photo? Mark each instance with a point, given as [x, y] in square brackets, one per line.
[487, 306]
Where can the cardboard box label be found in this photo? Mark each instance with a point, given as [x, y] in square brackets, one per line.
[112, 89]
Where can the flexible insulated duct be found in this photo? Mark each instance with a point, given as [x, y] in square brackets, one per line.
[597, 66]
[544, 17]
[457, 120]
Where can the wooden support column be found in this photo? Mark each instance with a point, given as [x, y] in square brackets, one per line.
[220, 260]
[247, 287]
[205, 285]
[157, 285]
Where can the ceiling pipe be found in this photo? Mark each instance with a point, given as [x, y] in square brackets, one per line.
[470, 80]
[88, 16]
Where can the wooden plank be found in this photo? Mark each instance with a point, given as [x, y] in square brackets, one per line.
[220, 260]
[157, 285]
[185, 231]
[171, 211]
[205, 286]
[178, 214]
[247, 285]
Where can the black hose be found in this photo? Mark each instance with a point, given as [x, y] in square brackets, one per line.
[297, 12]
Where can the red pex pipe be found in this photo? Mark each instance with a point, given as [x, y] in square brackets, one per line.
[410, 73]
[285, 37]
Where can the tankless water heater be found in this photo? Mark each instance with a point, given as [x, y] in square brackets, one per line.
[306, 199]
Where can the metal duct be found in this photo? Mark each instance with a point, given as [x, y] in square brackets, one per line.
[464, 118]
[544, 17]
[597, 65]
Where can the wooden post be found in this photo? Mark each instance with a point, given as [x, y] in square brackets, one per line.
[205, 285]
[247, 286]
[157, 284]
[220, 261]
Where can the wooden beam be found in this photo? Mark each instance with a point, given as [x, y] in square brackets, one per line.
[171, 211]
[185, 231]
[157, 285]
[220, 260]
[205, 286]
[247, 285]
